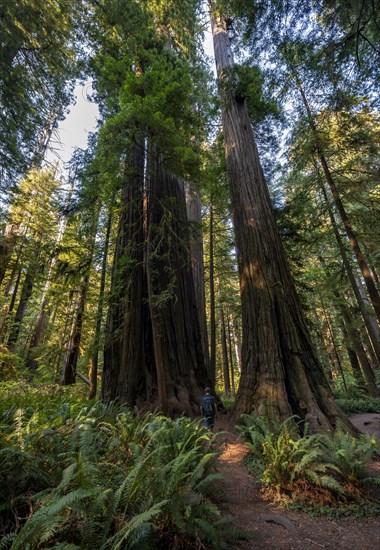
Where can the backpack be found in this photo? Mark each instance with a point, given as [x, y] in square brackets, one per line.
[207, 405]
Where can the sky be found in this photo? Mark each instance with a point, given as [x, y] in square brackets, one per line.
[74, 129]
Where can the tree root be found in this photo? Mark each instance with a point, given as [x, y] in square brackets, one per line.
[281, 520]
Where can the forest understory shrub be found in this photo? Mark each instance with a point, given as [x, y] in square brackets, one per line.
[227, 401]
[319, 473]
[355, 400]
[10, 363]
[358, 405]
[83, 476]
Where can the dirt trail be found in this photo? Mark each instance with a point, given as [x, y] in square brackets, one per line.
[240, 497]
[367, 423]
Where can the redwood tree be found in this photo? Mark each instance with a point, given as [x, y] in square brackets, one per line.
[127, 364]
[153, 353]
[173, 306]
[281, 374]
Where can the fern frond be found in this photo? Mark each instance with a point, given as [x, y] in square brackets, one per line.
[70, 500]
[63, 546]
[205, 485]
[135, 527]
[329, 482]
[40, 528]
[370, 481]
[6, 541]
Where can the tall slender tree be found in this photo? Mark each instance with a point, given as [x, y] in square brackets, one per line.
[351, 236]
[281, 374]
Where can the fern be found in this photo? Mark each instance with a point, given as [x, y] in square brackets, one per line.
[6, 541]
[135, 528]
[111, 479]
[324, 461]
[63, 546]
[40, 528]
[349, 455]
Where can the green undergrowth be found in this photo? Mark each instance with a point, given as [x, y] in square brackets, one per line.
[357, 510]
[322, 474]
[359, 404]
[75, 475]
[355, 400]
[227, 401]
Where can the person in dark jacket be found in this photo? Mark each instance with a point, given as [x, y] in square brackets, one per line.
[208, 408]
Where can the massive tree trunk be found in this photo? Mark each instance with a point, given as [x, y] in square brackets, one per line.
[194, 215]
[127, 365]
[180, 364]
[153, 354]
[212, 299]
[280, 374]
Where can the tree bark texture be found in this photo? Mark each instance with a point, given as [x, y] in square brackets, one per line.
[280, 374]
[194, 215]
[125, 356]
[180, 363]
[212, 300]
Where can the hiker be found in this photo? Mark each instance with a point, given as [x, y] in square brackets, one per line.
[208, 408]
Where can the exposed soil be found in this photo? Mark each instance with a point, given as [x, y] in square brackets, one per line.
[240, 497]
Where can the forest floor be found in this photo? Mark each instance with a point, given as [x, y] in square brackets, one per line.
[240, 497]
